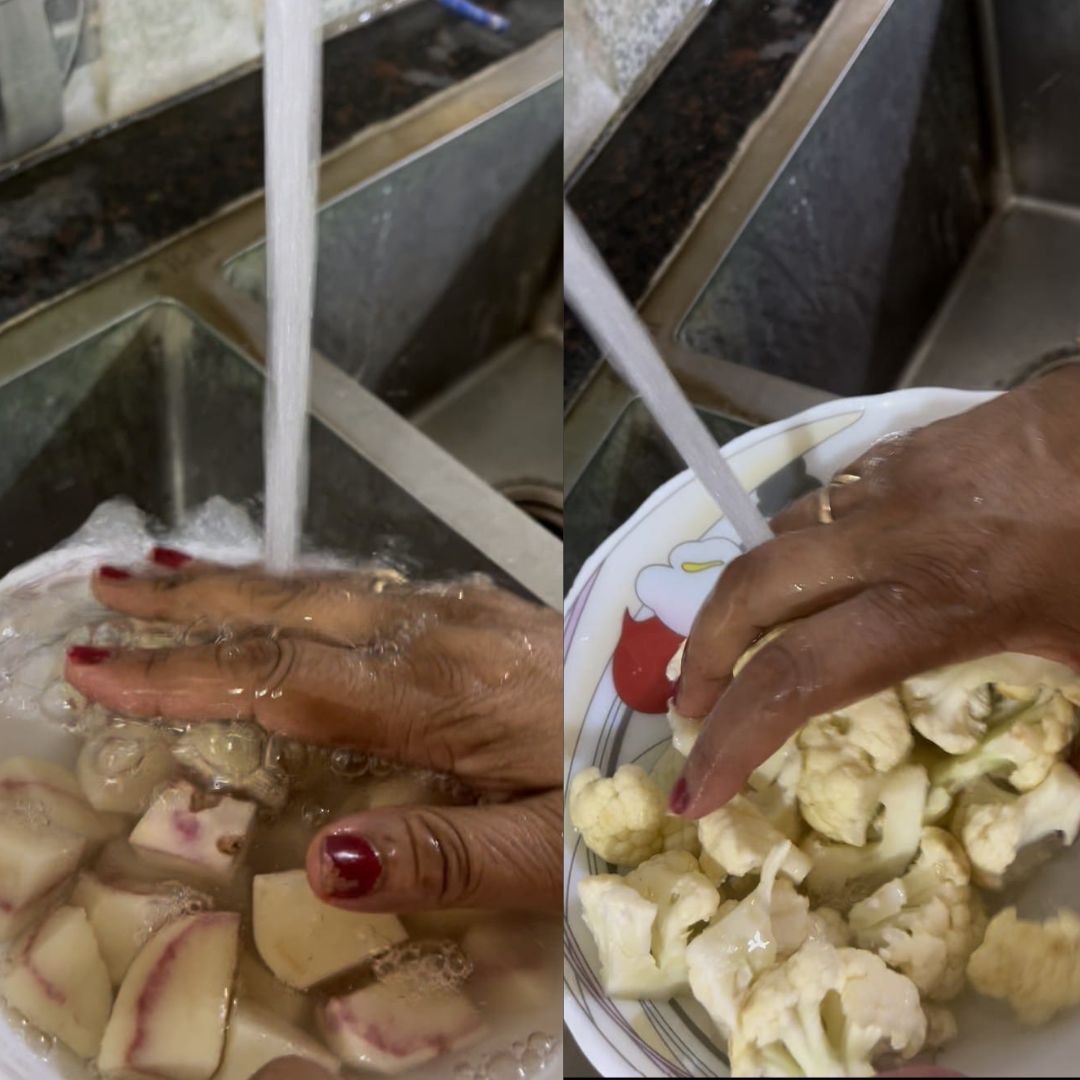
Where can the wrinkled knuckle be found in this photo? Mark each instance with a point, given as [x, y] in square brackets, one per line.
[446, 871]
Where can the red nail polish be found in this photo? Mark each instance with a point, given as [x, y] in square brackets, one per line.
[351, 867]
[113, 573]
[680, 797]
[87, 654]
[169, 557]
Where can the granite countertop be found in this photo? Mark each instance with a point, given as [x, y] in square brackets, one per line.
[641, 191]
[89, 208]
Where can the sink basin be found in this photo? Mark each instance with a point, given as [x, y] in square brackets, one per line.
[905, 213]
[160, 409]
[148, 382]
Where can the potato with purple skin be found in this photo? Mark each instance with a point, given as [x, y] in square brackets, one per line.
[36, 860]
[201, 835]
[171, 1011]
[59, 981]
[56, 792]
[383, 1030]
[126, 914]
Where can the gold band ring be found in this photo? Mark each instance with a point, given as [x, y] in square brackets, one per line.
[824, 495]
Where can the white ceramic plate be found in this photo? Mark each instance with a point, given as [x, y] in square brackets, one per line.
[654, 573]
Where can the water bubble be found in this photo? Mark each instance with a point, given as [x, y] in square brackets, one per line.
[541, 1043]
[63, 703]
[416, 969]
[315, 815]
[502, 1067]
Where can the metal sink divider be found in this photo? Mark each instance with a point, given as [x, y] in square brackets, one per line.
[188, 271]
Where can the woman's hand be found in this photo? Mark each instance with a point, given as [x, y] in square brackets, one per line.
[462, 679]
[958, 540]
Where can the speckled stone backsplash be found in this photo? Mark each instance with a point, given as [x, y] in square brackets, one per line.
[613, 46]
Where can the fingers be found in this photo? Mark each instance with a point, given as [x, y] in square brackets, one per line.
[399, 860]
[378, 703]
[292, 1068]
[842, 497]
[788, 578]
[823, 663]
[348, 607]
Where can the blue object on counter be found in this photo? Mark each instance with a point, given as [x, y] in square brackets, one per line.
[481, 16]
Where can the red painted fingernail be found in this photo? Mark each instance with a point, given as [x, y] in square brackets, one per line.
[113, 573]
[351, 867]
[87, 654]
[169, 557]
[680, 797]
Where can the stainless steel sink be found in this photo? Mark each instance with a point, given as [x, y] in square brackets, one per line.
[148, 382]
[907, 212]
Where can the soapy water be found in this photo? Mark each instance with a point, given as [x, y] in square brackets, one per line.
[47, 606]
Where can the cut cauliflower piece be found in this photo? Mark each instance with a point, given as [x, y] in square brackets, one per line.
[846, 757]
[829, 926]
[1033, 966]
[736, 840]
[1021, 747]
[940, 1026]
[826, 1012]
[680, 834]
[642, 922]
[842, 874]
[927, 923]
[684, 729]
[773, 788]
[751, 935]
[952, 706]
[995, 826]
[620, 818]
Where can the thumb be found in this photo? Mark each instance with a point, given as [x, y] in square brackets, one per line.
[420, 858]
[292, 1068]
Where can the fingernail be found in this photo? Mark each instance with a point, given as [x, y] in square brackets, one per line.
[169, 557]
[113, 573]
[680, 797]
[350, 867]
[87, 654]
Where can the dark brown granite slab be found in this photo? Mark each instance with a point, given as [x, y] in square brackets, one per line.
[81, 212]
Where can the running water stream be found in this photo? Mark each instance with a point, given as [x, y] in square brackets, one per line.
[292, 103]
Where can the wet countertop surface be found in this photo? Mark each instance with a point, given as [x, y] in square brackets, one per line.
[85, 210]
[640, 193]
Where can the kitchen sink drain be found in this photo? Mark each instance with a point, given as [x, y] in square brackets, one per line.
[542, 502]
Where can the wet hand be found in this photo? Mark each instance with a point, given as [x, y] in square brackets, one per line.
[463, 679]
[958, 540]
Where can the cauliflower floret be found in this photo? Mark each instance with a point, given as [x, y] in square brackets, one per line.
[759, 931]
[829, 926]
[684, 730]
[995, 825]
[736, 840]
[642, 922]
[773, 788]
[1021, 746]
[926, 923]
[620, 818]
[846, 757]
[826, 1012]
[842, 874]
[940, 1026]
[681, 834]
[952, 705]
[1034, 966]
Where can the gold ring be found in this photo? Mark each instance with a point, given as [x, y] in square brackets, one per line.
[845, 478]
[824, 505]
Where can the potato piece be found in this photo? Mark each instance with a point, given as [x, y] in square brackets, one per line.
[204, 835]
[36, 860]
[256, 1037]
[59, 981]
[171, 1011]
[304, 941]
[126, 914]
[380, 1029]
